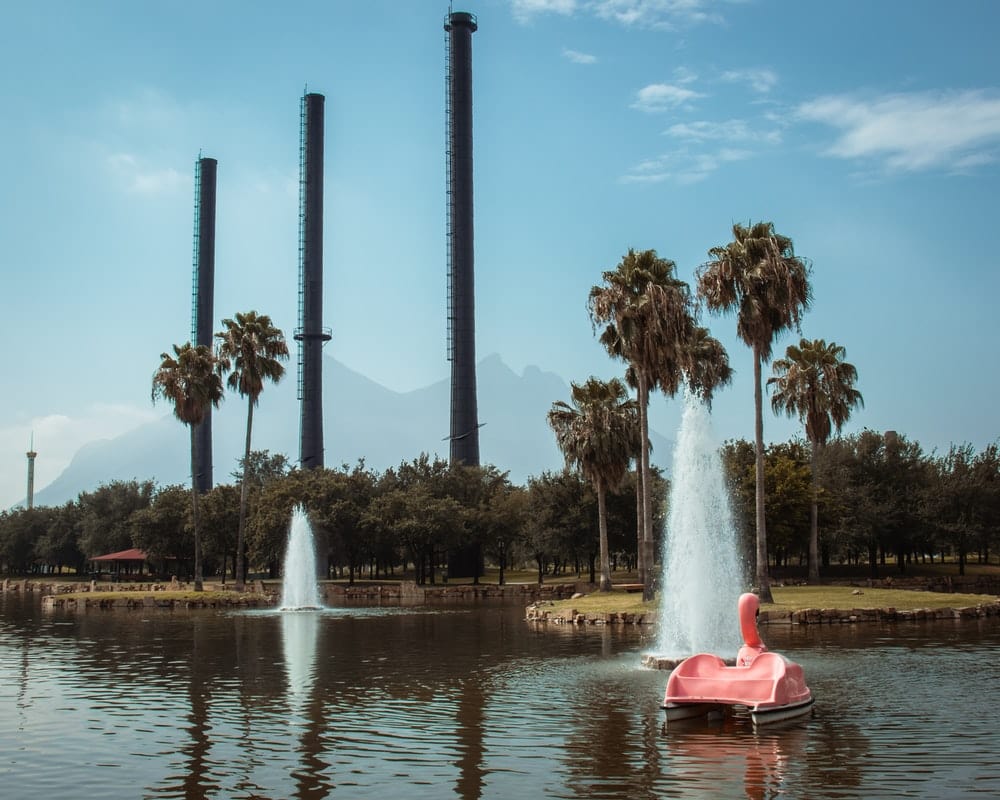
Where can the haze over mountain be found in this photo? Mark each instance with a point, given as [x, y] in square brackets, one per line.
[362, 419]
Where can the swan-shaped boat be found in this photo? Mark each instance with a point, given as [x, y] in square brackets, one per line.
[769, 685]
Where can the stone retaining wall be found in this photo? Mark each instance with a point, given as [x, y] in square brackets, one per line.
[54, 602]
[410, 593]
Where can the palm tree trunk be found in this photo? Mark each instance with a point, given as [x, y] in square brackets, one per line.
[647, 492]
[241, 533]
[195, 521]
[640, 556]
[763, 580]
[602, 519]
[814, 516]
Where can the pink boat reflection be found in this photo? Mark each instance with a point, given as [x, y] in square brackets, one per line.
[770, 686]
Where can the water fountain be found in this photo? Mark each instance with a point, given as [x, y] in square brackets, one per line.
[702, 572]
[299, 590]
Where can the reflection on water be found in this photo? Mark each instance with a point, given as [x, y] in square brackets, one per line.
[299, 630]
[472, 704]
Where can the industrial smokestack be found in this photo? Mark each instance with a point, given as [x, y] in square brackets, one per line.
[202, 301]
[461, 282]
[311, 335]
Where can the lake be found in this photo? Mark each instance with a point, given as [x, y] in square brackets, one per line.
[468, 703]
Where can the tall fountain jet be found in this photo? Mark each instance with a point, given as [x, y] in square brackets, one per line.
[202, 300]
[311, 335]
[703, 574]
[464, 433]
[299, 590]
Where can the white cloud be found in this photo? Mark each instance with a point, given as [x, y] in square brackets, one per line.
[659, 97]
[659, 14]
[665, 14]
[957, 130]
[139, 177]
[760, 80]
[683, 75]
[733, 130]
[57, 437]
[683, 167]
[577, 57]
[524, 10]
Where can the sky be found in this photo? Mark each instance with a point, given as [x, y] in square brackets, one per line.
[867, 132]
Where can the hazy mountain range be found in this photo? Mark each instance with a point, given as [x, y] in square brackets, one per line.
[362, 419]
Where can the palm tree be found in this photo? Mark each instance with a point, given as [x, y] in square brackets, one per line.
[758, 276]
[814, 383]
[650, 324]
[250, 350]
[598, 435]
[189, 380]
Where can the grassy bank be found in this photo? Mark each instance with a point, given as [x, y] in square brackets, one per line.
[787, 598]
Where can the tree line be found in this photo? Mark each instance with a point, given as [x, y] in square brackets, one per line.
[885, 505]
[367, 523]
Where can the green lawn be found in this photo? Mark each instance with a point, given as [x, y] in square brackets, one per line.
[787, 598]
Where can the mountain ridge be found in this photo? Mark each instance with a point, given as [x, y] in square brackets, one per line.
[362, 419]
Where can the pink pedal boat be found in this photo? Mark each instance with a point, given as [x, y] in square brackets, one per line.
[769, 685]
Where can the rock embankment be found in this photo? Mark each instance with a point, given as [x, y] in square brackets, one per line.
[807, 616]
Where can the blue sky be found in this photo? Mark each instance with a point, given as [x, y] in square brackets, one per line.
[868, 132]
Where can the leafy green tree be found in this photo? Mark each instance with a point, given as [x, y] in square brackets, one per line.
[597, 435]
[264, 467]
[420, 520]
[814, 383]
[758, 276]
[188, 380]
[220, 518]
[502, 521]
[789, 491]
[163, 530]
[20, 530]
[963, 500]
[250, 352]
[59, 546]
[561, 513]
[105, 515]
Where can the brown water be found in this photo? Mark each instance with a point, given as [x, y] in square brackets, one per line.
[437, 703]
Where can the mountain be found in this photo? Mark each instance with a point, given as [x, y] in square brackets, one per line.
[362, 419]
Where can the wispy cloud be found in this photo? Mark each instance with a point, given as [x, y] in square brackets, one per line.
[958, 130]
[657, 14]
[577, 57]
[525, 10]
[667, 14]
[760, 80]
[140, 177]
[732, 130]
[658, 97]
[683, 167]
[684, 76]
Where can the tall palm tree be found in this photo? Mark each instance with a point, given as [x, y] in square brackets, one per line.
[814, 383]
[250, 350]
[758, 276]
[598, 435]
[189, 380]
[650, 323]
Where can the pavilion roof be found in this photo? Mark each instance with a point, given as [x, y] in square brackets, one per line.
[123, 555]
